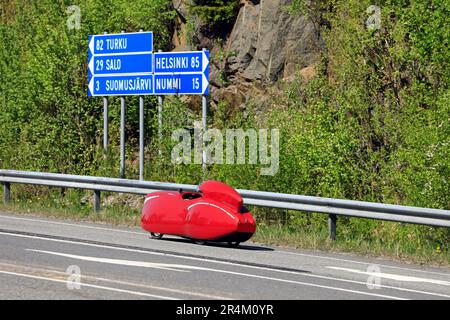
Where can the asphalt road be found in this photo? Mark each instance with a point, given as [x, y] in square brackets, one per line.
[44, 258]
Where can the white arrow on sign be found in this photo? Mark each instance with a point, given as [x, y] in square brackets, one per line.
[91, 45]
[91, 86]
[205, 83]
[91, 65]
[205, 61]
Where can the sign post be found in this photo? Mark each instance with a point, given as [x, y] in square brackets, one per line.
[183, 73]
[124, 64]
[141, 138]
[120, 65]
[160, 107]
[105, 123]
[122, 132]
[122, 137]
[204, 127]
[141, 135]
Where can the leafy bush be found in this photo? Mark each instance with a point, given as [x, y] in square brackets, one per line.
[47, 122]
[374, 124]
[218, 15]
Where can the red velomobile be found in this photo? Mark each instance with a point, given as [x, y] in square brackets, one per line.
[214, 213]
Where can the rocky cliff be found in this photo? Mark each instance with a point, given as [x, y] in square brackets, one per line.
[266, 44]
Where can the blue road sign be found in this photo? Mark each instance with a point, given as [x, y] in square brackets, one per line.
[181, 72]
[181, 83]
[120, 85]
[121, 64]
[121, 43]
[180, 62]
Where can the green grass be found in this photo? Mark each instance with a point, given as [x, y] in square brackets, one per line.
[381, 248]
[75, 205]
[124, 210]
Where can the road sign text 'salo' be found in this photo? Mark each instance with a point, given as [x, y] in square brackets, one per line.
[121, 64]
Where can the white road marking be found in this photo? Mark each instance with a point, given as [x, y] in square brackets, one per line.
[137, 293]
[379, 285]
[188, 267]
[314, 285]
[120, 282]
[360, 262]
[129, 263]
[206, 296]
[71, 225]
[394, 276]
[277, 251]
[217, 262]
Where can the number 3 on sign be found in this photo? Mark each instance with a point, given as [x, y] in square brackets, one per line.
[97, 85]
[195, 83]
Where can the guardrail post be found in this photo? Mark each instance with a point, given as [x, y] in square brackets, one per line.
[6, 192]
[332, 218]
[96, 201]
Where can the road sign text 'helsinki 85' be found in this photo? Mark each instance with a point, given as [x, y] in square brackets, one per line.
[124, 64]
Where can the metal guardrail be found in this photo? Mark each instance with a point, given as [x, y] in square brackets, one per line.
[332, 207]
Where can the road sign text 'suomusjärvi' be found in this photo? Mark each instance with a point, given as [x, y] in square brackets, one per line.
[121, 85]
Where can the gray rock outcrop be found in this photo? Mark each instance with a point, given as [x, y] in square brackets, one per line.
[267, 42]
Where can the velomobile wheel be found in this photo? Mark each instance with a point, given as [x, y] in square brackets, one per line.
[156, 235]
[233, 244]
